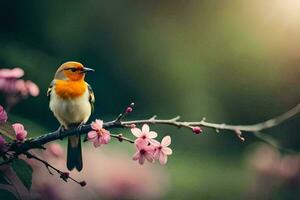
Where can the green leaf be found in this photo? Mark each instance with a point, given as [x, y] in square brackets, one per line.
[23, 171]
[3, 178]
[7, 195]
[7, 130]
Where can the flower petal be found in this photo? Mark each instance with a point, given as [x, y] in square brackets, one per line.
[136, 132]
[2, 140]
[167, 150]
[163, 159]
[99, 122]
[3, 114]
[20, 132]
[97, 143]
[18, 127]
[140, 143]
[106, 138]
[97, 125]
[166, 141]
[152, 134]
[92, 135]
[156, 154]
[149, 157]
[21, 135]
[141, 160]
[136, 155]
[145, 128]
[154, 142]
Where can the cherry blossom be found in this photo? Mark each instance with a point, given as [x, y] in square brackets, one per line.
[3, 114]
[14, 88]
[20, 132]
[144, 152]
[145, 135]
[162, 151]
[98, 135]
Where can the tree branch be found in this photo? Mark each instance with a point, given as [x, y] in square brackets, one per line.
[38, 142]
[245, 128]
[63, 175]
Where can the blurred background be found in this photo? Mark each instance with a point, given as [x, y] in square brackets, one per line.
[229, 61]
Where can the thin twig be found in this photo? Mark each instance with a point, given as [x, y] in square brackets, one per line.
[63, 175]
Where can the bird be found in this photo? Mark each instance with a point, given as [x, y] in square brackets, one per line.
[71, 100]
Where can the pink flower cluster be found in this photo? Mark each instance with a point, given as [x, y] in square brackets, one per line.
[14, 88]
[98, 135]
[147, 148]
[19, 129]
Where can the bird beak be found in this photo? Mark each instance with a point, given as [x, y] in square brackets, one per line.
[85, 70]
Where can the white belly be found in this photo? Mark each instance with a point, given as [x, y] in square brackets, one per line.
[73, 111]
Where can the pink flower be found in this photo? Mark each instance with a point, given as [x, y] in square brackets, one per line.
[98, 135]
[20, 132]
[2, 141]
[32, 88]
[21, 87]
[143, 136]
[144, 151]
[11, 73]
[162, 150]
[3, 114]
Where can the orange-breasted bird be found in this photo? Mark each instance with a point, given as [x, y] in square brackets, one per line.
[71, 100]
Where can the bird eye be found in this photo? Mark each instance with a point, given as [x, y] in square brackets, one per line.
[73, 69]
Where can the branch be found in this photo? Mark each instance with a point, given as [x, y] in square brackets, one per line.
[63, 175]
[245, 128]
[38, 142]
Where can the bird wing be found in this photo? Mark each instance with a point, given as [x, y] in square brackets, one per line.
[91, 97]
[50, 89]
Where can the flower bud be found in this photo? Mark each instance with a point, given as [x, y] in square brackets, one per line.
[82, 183]
[197, 130]
[65, 176]
[128, 110]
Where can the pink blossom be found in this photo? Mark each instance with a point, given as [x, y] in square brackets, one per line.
[3, 114]
[144, 152]
[143, 136]
[20, 132]
[2, 141]
[197, 130]
[162, 150]
[21, 87]
[15, 89]
[32, 88]
[11, 73]
[128, 109]
[98, 135]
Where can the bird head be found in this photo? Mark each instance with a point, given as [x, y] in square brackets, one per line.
[73, 71]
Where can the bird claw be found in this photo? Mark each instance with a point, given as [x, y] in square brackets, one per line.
[80, 126]
[60, 130]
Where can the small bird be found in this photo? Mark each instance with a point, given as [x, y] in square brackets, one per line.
[71, 100]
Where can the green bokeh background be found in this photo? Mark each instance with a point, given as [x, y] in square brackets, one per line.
[229, 61]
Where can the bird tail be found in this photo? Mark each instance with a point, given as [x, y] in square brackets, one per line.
[74, 154]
